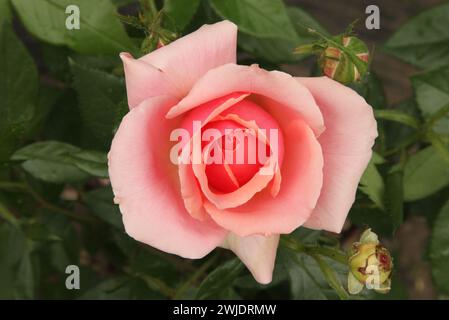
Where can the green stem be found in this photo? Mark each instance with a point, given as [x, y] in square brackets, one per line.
[397, 116]
[43, 203]
[8, 215]
[331, 277]
[156, 284]
[438, 144]
[329, 252]
[437, 116]
[195, 276]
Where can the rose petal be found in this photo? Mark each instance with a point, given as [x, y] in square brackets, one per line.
[146, 186]
[144, 81]
[257, 252]
[301, 185]
[276, 85]
[190, 190]
[187, 59]
[350, 133]
[240, 196]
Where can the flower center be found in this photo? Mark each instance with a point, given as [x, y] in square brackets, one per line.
[240, 145]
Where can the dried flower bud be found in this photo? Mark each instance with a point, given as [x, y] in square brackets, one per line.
[370, 265]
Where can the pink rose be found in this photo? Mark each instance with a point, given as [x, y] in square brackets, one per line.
[325, 132]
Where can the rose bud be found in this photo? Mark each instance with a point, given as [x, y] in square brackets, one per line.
[343, 58]
[370, 264]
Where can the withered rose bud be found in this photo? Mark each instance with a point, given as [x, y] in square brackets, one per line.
[370, 265]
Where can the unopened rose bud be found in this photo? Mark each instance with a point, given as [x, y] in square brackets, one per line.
[343, 58]
[370, 265]
[345, 66]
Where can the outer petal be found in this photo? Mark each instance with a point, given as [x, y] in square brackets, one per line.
[257, 252]
[187, 59]
[144, 81]
[146, 185]
[350, 133]
[275, 85]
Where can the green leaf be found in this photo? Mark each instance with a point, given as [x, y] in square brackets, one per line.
[5, 12]
[59, 162]
[395, 196]
[101, 203]
[100, 101]
[179, 12]
[424, 40]
[303, 284]
[277, 50]
[219, 280]
[331, 277]
[64, 121]
[439, 253]
[16, 274]
[18, 91]
[100, 29]
[45, 102]
[259, 18]
[396, 134]
[92, 162]
[306, 279]
[373, 185]
[111, 289]
[432, 95]
[425, 173]
[439, 145]
[7, 215]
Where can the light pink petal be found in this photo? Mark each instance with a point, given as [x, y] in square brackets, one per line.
[146, 185]
[144, 81]
[301, 185]
[187, 59]
[276, 85]
[350, 133]
[257, 252]
[191, 192]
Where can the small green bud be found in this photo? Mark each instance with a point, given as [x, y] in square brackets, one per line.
[344, 58]
[370, 265]
[345, 64]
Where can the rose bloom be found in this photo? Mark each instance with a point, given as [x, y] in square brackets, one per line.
[188, 208]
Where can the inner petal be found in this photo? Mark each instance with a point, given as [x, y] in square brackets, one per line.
[233, 156]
